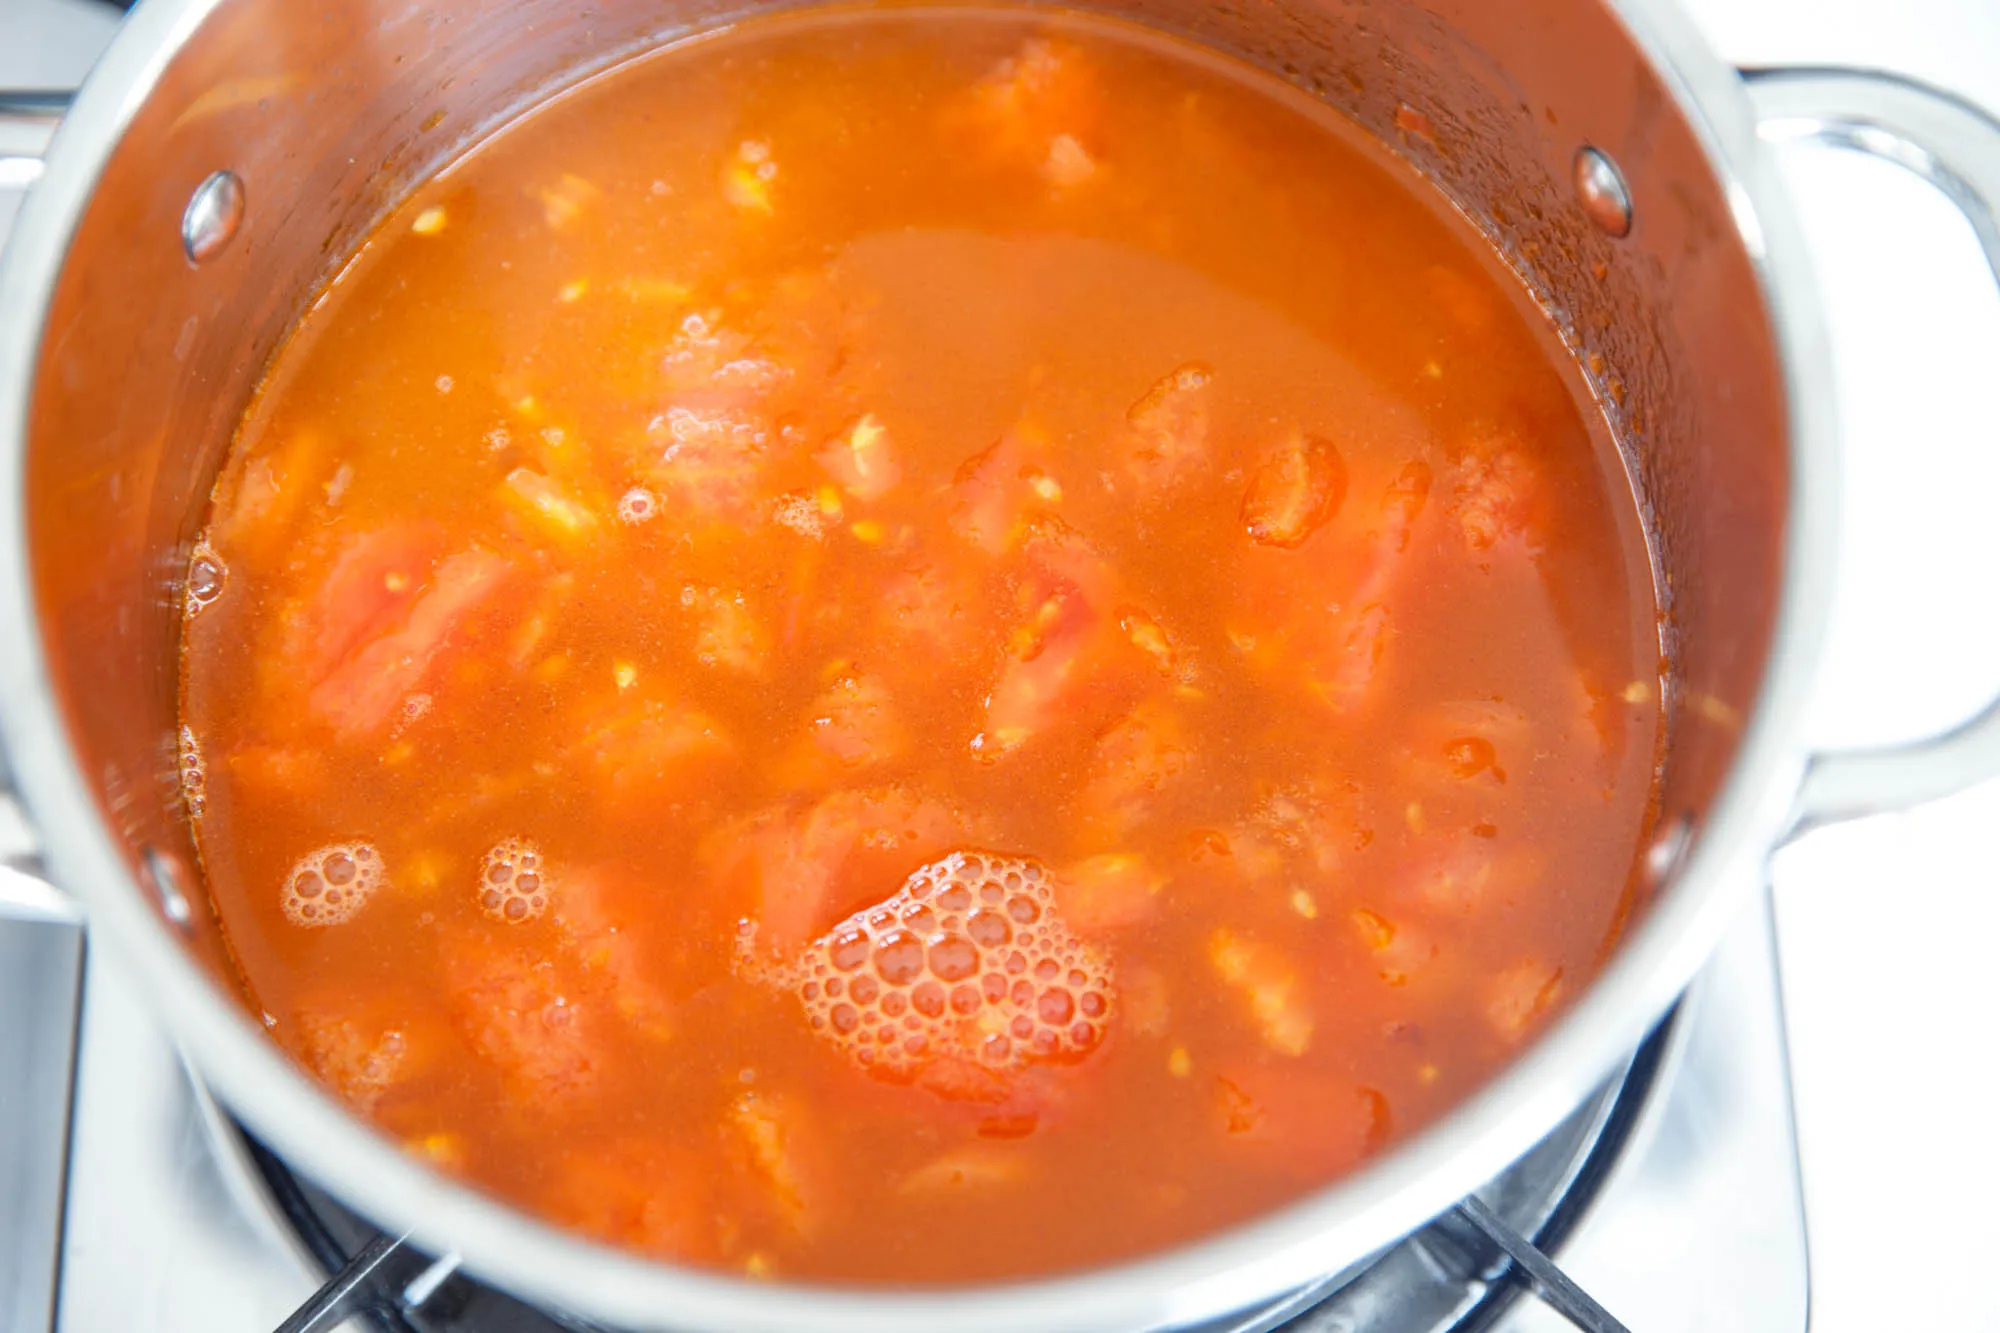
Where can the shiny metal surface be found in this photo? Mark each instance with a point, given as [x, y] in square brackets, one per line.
[1702, 1228]
[112, 419]
[214, 212]
[1601, 189]
[1956, 147]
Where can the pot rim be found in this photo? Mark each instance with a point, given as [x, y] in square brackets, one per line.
[1213, 1276]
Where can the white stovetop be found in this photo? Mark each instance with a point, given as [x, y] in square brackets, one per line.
[1885, 926]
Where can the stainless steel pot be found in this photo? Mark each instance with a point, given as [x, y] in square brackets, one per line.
[1616, 162]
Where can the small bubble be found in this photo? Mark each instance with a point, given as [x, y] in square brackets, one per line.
[637, 505]
[928, 998]
[1047, 970]
[997, 1049]
[953, 958]
[864, 989]
[1083, 1034]
[995, 987]
[844, 1018]
[989, 930]
[964, 999]
[1092, 1004]
[849, 950]
[894, 1003]
[1023, 992]
[1023, 909]
[307, 885]
[206, 576]
[899, 957]
[1054, 1007]
[956, 898]
[1022, 1027]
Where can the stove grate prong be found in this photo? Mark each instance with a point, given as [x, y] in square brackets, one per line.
[1550, 1283]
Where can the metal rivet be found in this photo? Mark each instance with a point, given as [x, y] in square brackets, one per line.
[1601, 188]
[1669, 848]
[214, 212]
[163, 877]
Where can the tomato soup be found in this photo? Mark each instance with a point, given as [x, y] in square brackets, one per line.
[910, 646]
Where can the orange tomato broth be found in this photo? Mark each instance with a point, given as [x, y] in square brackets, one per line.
[859, 437]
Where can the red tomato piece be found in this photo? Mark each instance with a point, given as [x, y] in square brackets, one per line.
[1167, 429]
[801, 871]
[370, 585]
[774, 1146]
[522, 1018]
[1521, 995]
[1303, 1121]
[863, 461]
[365, 1046]
[994, 495]
[853, 724]
[647, 749]
[1295, 491]
[645, 1194]
[366, 688]
[1045, 90]
[1497, 495]
[1108, 892]
[604, 925]
[1136, 759]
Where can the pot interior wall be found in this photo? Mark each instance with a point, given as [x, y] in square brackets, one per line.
[328, 112]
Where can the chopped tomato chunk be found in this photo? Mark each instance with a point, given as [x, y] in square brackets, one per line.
[1047, 90]
[519, 1014]
[802, 870]
[1303, 1122]
[1496, 495]
[727, 632]
[862, 461]
[1109, 891]
[1168, 426]
[1136, 759]
[366, 1046]
[366, 689]
[1295, 491]
[1520, 995]
[607, 927]
[1269, 984]
[771, 1138]
[644, 1193]
[853, 724]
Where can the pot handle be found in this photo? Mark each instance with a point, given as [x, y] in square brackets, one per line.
[1956, 147]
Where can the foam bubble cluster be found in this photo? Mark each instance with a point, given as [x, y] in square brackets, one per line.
[513, 886]
[206, 575]
[969, 960]
[194, 775]
[328, 886]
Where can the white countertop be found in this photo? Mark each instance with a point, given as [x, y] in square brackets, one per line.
[1885, 926]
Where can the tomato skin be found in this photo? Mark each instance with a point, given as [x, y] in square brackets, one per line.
[521, 1016]
[799, 869]
[386, 665]
[1295, 491]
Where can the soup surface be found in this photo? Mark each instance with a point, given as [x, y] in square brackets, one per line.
[917, 646]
